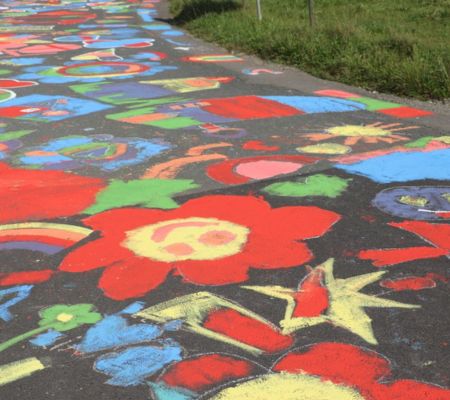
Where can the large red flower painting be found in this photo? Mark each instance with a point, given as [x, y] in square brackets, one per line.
[212, 240]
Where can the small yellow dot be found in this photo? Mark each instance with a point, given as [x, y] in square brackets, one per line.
[63, 317]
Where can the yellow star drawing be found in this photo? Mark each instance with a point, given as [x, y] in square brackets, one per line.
[345, 303]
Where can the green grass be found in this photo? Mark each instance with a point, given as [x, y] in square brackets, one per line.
[392, 46]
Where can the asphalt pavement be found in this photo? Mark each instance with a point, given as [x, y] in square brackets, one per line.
[179, 222]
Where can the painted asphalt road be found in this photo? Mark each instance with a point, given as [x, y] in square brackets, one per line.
[181, 224]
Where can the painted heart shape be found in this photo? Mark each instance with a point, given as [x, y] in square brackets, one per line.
[14, 83]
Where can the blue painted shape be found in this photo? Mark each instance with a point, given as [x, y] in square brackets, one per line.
[62, 153]
[23, 61]
[164, 392]
[122, 92]
[157, 27]
[146, 14]
[404, 167]
[133, 308]
[46, 339]
[131, 366]
[32, 246]
[146, 56]
[316, 104]
[173, 33]
[114, 331]
[20, 292]
[174, 325]
[44, 108]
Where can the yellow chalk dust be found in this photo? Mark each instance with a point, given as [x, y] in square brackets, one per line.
[284, 386]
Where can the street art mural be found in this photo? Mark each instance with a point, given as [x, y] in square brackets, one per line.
[169, 231]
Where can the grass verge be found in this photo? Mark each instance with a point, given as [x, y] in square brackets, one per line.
[400, 47]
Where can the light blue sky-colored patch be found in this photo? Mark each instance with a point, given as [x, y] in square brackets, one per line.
[317, 104]
[22, 61]
[114, 331]
[403, 167]
[46, 339]
[130, 367]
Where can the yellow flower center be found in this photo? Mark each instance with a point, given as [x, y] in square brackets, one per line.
[63, 317]
[187, 239]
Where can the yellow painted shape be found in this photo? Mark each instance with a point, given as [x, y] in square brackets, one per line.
[193, 309]
[184, 239]
[285, 386]
[357, 130]
[325, 148]
[347, 303]
[45, 225]
[346, 307]
[413, 201]
[19, 369]
[186, 85]
[443, 139]
[63, 317]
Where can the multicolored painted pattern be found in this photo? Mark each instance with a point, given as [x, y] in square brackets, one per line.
[172, 229]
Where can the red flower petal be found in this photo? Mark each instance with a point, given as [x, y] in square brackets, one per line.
[25, 277]
[384, 257]
[213, 272]
[96, 254]
[272, 254]
[244, 210]
[302, 222]
[340, 363]
[436, 234]
[132, 278]
[206, 371]
[121, 220]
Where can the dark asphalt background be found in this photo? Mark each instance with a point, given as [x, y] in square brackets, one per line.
[415, 341]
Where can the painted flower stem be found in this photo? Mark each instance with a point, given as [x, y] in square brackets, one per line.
[23, 336]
